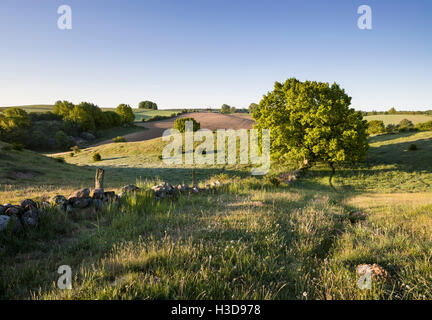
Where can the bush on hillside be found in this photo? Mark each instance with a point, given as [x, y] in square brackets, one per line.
[425, 126]
[119, 139]
[96, 157]
[406, 125]
[63, 141]
[180, 124]
[376, 127]
[412, 147]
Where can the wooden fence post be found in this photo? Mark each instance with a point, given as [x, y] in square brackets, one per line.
[194, 184]
[99, 179]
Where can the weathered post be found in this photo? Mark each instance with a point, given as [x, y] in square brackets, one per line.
[99, 179]
[194, 184]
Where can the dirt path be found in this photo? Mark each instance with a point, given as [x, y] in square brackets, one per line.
[211, 121]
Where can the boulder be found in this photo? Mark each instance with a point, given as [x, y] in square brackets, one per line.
[130, 188]
[28, 203]
[109, 195]
[4, 222]
[80, 203]
[13, 210]
[30, 218]
[82, 193]
[58, 200]
[98, 194]
[16, 223]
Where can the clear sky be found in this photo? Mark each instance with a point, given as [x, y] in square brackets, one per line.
[184, 53]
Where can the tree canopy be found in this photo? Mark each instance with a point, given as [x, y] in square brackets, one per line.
[126, 114]
[147, 105]
[312, 121]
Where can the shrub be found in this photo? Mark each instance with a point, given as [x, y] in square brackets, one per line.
[75, 149]
[180, 124]
[17, 146]
[375, 127]
[62, 140]
[425, 126]
[59, 159]
[406, 125]
[119, 139]
[96, 157]
[273, 180]
[412, 147]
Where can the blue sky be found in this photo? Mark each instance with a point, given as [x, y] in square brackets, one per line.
[183, 53]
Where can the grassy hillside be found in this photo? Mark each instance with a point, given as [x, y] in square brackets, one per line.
[33, 108]
[396, 118]
[252, 240]
[146, 114]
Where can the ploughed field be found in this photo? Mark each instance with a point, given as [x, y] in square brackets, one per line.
[211, 121]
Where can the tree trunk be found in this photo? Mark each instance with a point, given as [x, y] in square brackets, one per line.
[99, 178]
[332, 174]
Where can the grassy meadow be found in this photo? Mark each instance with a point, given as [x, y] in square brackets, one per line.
[251, 240]
[396, 118]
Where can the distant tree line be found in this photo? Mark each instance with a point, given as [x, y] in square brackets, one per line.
[394, 111]
[61, 128]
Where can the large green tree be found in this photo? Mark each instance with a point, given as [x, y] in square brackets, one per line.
[14, 125]
[126, 114]
[312, 121]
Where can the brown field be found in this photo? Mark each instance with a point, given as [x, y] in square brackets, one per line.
[211, 121]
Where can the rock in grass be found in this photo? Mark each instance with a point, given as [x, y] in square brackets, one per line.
[82, 193]
[28, 203]
[130, 188]
[13, 210]
[58, 200]
[16, 223]
[357, 216]
[98, 194]
[30, 218]
[4, 222]
[109, 195]
[80, 203]
[376, 271]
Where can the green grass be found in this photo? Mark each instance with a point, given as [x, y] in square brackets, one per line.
[147, 114]
[396, 118]
[33, 108]
[250, 241]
